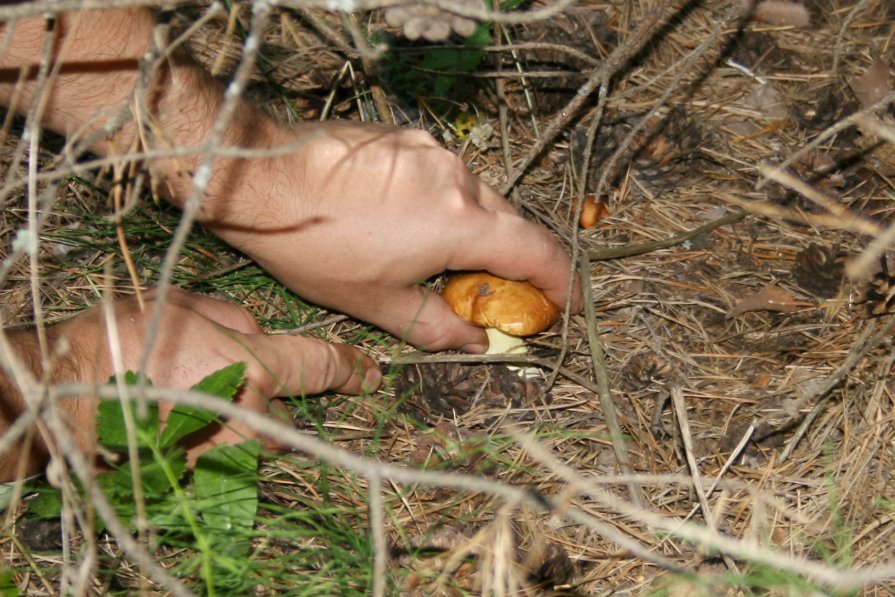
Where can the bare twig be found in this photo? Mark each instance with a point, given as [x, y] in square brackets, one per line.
[42, 7]
[606, 253]
[607, 404]
[734, 13]
[833, 130]
[843, 30]
[624, 52]
[764, 208]
[683, 422]
[377, 531]
[747, 550]
[193, 204]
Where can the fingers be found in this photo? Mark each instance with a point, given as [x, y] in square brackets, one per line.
[535, 255]
[423, 319]
[511, 247]
[221, 312]
[280, 365]
[294, 366]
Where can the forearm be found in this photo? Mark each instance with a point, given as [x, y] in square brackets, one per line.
[98, 54]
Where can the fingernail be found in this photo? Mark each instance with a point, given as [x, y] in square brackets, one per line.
[371, 381]
[474, 348]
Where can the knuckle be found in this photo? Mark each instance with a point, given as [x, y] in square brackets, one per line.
[259, 379]
[330, 368]
[247, 321]
[422, 137]
[433, 337]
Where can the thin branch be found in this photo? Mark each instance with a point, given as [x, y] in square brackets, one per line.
[630, 250]
[747, 550]
[377, 531]
[619, 57]
[607, 404]
[859, 350]
[834, 129]
[687, 63]
[202, 176]
[683, 423]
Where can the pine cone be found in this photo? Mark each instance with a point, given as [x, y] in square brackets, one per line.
[647, 370]
[877, 298]
[430, 392]
[819, 270]
[661, 153]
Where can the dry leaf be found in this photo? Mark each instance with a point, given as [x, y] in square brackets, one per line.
[762, 381]
[778, 12]
[873, 85]
[769, 298]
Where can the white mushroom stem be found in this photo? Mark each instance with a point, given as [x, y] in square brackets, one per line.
[503, 343]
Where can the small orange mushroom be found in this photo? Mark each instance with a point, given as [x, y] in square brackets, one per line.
[507, 309]
[515, 308]
[592, 211]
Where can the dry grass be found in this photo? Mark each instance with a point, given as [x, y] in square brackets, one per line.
[692, 380]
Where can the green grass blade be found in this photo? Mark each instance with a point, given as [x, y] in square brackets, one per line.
[8, 586]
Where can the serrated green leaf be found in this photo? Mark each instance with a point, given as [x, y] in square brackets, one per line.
[110, 425]
[223, 383]
[184, 420]
[226, 487]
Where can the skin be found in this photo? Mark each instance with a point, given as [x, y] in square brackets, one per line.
[197, 336]
[355, 218]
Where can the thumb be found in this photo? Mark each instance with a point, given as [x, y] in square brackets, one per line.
[294, 366]
[422, 318]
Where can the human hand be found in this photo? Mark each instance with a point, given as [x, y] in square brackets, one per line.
[361, 215]
[356, 219]
[197, 336]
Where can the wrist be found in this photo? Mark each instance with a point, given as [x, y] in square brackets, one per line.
[98, 55]
[188, 104]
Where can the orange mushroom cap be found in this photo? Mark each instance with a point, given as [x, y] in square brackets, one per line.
[515, 308]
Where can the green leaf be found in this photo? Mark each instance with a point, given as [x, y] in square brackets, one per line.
[167, 517]
[8, 586]
[110, 420]
[224, 383]
[184, 420]
[46, 503]
[6, 491]
[226, 487]
[154, 481]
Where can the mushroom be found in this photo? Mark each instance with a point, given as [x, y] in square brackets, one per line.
[507, 309]
[592, 211]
